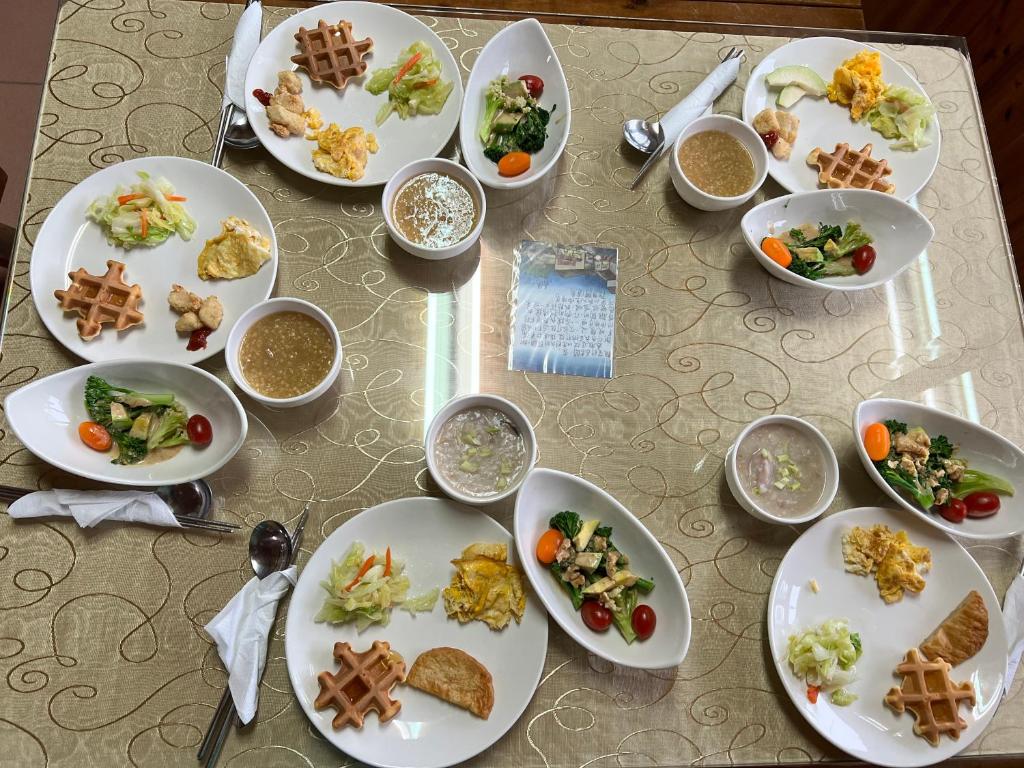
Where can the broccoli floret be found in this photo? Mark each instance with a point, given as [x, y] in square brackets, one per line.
[809, 269]
[500, 146]
[567, 522]
[99, 394]
[901, 480]
[575, 593]
[940, 448]
[493, 103]
[826, 232]
[168, 429]
[531, 131]
[895, 426]
[852, 239]
[622, 616]
[130, 450]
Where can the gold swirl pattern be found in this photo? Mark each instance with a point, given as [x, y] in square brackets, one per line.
[103, 659]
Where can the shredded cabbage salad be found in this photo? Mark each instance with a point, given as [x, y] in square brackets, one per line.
[147, 213]
[824, 657]
[902, 113]
[364, 589]
[414, 84]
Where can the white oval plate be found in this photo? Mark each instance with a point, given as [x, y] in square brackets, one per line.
[824, 124]
[544, 493]
[45, 415]
[900, 233]
[521, 48]
[68, 240]
[426, 534]
[401, 141]
[979, 446]
[867, 729]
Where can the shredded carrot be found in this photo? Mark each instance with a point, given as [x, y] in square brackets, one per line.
[175, 198]
[812, 693]
[387, 562]
[406, 67]
[145, 222]
[362, 572]
[427, 83]
[128, 198]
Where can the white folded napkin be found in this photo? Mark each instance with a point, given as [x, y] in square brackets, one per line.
[92, 507]
[699, 99]
[240, 631]
[1013, 618]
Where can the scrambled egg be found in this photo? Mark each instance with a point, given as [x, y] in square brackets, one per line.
[313, 119]
[858, 83]
[238, 251]
[343, 153]
[895, 561]
[485, 587]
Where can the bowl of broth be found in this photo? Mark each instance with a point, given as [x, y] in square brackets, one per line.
[284, 352]
[718, 162]
[434, 208]
[782, 470]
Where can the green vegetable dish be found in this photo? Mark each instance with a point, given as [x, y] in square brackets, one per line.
[902, 113]
[827, 250]
[824, 658]
[363, 589]
[926, 469]
[596, 575]
[147, 213]
[413, 84]
[141, 426]
[513, 120]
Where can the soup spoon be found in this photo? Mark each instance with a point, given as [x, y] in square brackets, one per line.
[643, 136]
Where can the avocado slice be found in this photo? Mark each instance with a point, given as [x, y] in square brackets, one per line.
[119, 418]
[582, 538]
[789, 96]
[796, 74]
[505, 122]
[140, 428]
[809, 254]
[515, 88]
[599, 586]
[588, 561]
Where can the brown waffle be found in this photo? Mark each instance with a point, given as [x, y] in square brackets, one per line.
[330, 53]
[928, 692]
[364, 682]
[100, 299]
[848, 168]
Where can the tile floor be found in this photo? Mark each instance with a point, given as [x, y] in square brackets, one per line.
[26, 31]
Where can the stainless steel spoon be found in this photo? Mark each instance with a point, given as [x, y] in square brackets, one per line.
[240, 134]
[193, 499]
[643, 136]
[270, 548]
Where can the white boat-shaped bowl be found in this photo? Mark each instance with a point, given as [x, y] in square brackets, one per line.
[521, 48]
[899, 231]
[45, 416]
[544, 493]
[979, 446]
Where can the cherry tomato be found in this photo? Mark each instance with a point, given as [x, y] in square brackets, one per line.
[262, 96]
[513, 164]
[982, 504]
[863, 259]
[769, 138]
[547, 546]
[777, 251]
[643, 621]
[877, 441]
[199, 430]
[596, 616]
[533, 84]
[197, 339]
[955, 511]
[95, 436]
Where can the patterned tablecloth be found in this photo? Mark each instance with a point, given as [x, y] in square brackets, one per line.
[103, 660]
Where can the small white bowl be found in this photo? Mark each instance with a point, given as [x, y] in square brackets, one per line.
[434, 165]
[732, 475]
[899, 232]
[269, 307]
[698, 198]
[461, 403]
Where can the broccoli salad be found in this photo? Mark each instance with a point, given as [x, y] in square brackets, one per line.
[821, 250]
[514, 125]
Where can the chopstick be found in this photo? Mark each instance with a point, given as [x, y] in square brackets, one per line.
[10, 493]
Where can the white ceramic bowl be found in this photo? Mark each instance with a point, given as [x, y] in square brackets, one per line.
[900, 232]
[983, 449]
[698, 198]
[547, 492]
[269, 307]
[434, 165]
[750, 504]
[461, 403]
[45, 414]
[521, 48]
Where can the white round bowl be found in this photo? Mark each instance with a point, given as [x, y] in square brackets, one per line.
[433, 165]
[461, 403]
[746, 501]
[698, 198]
[269, 307]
